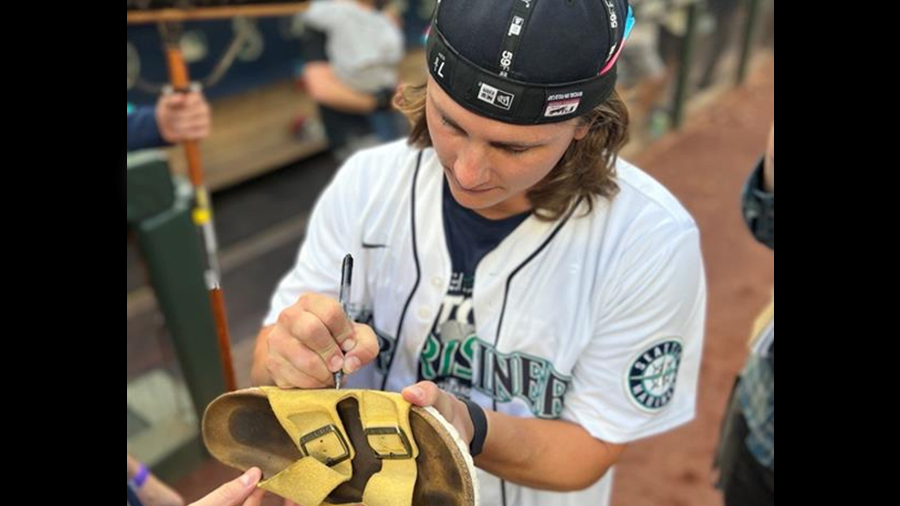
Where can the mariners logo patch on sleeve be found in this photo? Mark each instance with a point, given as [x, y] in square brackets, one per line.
[651, 377]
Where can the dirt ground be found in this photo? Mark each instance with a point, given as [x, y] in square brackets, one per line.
[705, 166]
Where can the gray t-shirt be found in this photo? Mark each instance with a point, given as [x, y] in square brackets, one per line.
[364, 46]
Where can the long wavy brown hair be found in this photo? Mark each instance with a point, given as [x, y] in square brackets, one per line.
[586, 170]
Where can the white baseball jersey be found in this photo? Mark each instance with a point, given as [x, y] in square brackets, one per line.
[596, 319]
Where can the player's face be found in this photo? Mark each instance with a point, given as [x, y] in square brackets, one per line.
[491, 165]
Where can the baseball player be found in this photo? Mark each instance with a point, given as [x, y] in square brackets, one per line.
[545, 296]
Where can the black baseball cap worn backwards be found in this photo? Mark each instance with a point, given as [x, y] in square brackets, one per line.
[528, 62]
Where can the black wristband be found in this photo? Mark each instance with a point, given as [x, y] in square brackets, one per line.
[479, 421]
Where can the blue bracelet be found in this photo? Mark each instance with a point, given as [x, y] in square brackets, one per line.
[139, 478]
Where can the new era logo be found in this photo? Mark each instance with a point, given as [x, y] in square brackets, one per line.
[516, 27]
[495, 97]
